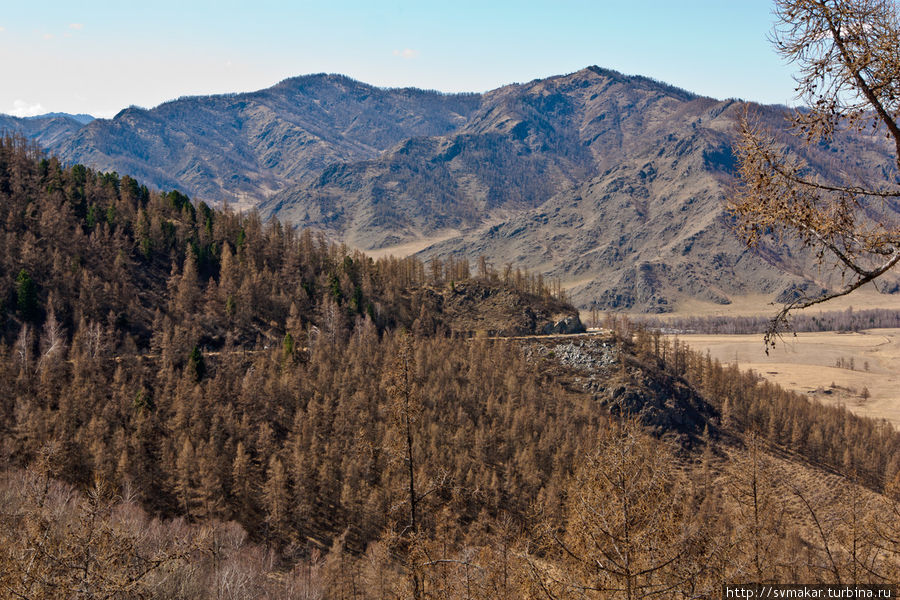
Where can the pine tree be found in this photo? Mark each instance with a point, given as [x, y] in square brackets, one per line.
[407, 410]
[185, 471]
[26, 296]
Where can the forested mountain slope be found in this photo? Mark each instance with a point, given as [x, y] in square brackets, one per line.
[256, 390]
[97, 248]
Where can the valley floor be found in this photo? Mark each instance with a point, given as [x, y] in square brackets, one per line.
[833, 367]
[764, 305]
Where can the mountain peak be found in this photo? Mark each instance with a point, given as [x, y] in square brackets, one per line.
[593, 72]
[82, 118]
[316, 79]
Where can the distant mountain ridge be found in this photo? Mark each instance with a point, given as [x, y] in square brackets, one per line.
[244, 147]
[614, 184]
[47, 130]
[524, 144]
[82, 118]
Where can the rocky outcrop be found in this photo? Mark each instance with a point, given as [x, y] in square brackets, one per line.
[665, 404]
[564, 324]
[478, 308]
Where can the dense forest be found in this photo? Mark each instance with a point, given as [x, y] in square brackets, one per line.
[195, 404]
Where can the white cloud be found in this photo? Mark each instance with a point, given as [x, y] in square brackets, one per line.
[76, 26]
[406, 53]
[24, 109]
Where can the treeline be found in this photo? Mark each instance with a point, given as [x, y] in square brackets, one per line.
[845, 320]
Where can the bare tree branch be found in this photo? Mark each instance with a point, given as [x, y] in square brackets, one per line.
[849, 77]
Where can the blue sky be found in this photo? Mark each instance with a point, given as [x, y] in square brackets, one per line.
[99, 57]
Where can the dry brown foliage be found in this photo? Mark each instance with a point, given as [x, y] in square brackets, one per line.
[849, 81]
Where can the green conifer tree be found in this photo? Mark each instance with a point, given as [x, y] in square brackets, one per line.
[26, 292]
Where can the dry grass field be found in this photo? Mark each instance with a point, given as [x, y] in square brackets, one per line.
[808, 363]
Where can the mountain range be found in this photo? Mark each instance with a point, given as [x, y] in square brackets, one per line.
[613, 184]
[47, 130]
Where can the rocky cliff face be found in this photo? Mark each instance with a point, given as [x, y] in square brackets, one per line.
[666, 405]
[476, 308]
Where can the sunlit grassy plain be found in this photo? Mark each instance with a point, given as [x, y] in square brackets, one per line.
[807, 362]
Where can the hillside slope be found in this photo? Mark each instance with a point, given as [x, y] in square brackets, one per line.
[97, 248]
[208, 368]
[46, 130]
[647, 231]
[243, 147]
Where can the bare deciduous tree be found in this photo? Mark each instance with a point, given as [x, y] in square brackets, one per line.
[624, 532]
[407, 409]
[848, 80]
